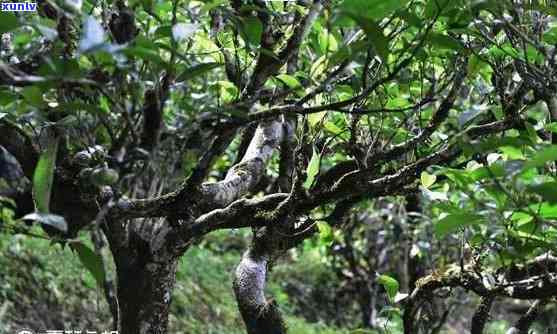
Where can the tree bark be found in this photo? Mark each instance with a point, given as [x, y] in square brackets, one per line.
[144, 295]
[260, 315]
[146, 276]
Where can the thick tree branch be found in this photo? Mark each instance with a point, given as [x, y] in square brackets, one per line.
[244, 176]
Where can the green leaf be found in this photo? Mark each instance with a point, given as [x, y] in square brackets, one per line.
[333, 128]
[444, 41]
[252, 28]
[436, 7]
[92, 261]
[327, 41]
[227, 90]
[164, 31]
[427, 179]
[196, 70]
[552, 127]
[545, 210]
[550, 36]
[325, 233]
[7, 97]
[147, 54]
[289, 80]
[44, 174]
[411, 18]
[532, 134]
[372, 9]
[543, 156]
[375, 36]
[313, 168]
[390, 284]
[453, 222]
[548, 191]
[103, 176]
[56, 221]
[315, 118]
[33, 95]
[210, 4]
[8, 22]
[475, 65]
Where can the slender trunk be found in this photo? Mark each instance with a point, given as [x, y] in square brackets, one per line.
[144, 295]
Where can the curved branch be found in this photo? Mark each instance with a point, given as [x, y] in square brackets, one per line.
[244, 176]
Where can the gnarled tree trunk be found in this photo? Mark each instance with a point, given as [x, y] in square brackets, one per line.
[146, 274]
[144, 295]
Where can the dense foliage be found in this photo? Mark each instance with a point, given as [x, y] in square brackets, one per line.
[405, 148]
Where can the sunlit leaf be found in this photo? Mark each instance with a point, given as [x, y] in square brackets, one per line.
[228, 91]
[545, 210]
[56, 221]
[312, 169]
[315, 118]
[325, 233]
[327, 41]
[44, 174]
[289, 80]
[390, 284]
[427, 179]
